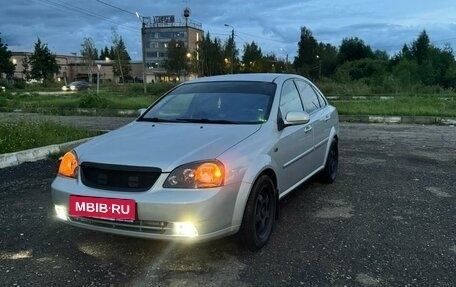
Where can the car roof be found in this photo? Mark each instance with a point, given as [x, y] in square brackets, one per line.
[260, 77]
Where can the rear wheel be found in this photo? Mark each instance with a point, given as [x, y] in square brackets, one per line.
[329, 173]
[259, 214]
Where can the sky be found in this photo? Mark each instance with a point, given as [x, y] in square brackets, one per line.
[273, 25]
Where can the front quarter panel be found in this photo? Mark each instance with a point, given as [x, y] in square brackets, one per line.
[245, 162]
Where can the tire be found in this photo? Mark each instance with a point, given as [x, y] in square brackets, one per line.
[329, 172]
[259, 214]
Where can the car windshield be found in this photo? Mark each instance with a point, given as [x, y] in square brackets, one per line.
[215, 102]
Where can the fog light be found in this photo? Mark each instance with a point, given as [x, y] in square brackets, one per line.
[61, 212]
[185, 229]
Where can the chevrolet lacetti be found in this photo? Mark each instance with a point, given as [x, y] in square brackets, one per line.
[210, 158]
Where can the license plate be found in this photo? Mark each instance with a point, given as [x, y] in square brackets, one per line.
[104, 208]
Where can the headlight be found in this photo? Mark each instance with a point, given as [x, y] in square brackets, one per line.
[202, 174]
[69, 165]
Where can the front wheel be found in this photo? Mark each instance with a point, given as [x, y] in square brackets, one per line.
[259, 214]
[329, 172]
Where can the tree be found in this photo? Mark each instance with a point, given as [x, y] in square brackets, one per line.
[26, 67]
[433, 65]
[104, 53]
[405, 73]
[252, 59]
[211, 55]
[230, 52]
[6, 66]
[176, 61]
[89, 55]
[121, 60]
[270, 64]
[353, 49]
[43, 62]
[420, 48]
[327, 55]
[306, 62]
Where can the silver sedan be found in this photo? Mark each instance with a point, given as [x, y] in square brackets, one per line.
[210, 158]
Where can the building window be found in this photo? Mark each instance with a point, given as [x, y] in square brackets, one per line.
[153, 44]
[153, 54]
[153, 65]
[170, 35]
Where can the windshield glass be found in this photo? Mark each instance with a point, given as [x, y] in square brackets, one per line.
[215, 102]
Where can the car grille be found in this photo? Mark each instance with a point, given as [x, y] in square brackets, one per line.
[144, 226]
[118, 177]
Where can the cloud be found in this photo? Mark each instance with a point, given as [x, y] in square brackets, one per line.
[274, 25]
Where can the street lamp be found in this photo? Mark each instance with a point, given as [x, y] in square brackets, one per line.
[319, 66]
[143, 32]
[232, 47]
[98, 78]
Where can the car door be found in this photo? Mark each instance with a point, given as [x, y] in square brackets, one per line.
[320, 117]
[295, 145]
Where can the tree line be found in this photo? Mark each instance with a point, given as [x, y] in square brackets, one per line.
[418, 63]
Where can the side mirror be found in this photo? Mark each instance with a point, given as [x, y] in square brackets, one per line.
[140, 112]
[296, 118]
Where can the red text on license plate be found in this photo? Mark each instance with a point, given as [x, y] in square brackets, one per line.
[109, 208]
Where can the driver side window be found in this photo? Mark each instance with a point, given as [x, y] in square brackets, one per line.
[289, 99]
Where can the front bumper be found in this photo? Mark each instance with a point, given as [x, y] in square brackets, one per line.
[161, 212]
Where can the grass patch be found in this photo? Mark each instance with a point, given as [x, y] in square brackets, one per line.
[24, 135]
[128, 96]
[420, 101]
[399, 106]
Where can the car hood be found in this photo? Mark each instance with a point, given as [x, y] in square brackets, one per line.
[163, 145]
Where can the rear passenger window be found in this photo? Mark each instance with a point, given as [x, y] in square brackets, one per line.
[308, 95]
[323, 102]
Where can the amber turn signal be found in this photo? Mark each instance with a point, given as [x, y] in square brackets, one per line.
[68, 165]
[209, 174]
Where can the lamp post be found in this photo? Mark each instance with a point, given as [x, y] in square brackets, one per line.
[143, 33]
[98, 78]
[232, 47]
[319, 66]
[286, 58]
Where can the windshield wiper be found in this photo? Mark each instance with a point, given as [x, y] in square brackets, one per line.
[206, 121]
[156, 120]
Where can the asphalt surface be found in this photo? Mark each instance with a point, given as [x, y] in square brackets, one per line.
[388, 220]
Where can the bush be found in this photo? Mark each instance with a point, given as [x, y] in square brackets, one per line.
[19, 84]
[4, 83]
[93, 101]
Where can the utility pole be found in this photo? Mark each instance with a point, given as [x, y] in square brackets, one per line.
[232, 47]
[143, 33]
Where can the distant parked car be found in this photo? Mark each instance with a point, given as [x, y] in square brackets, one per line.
[77, 86]
[210, 158]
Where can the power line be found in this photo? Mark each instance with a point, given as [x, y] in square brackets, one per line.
[262, 38]
[65, 7]
[115, 7]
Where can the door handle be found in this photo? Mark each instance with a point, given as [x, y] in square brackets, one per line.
[308, 129]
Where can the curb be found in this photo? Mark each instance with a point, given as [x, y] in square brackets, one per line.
[420, 120]
[34, 154]
[16, 158]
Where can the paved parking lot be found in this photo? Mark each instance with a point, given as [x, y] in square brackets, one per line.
[388, 220]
